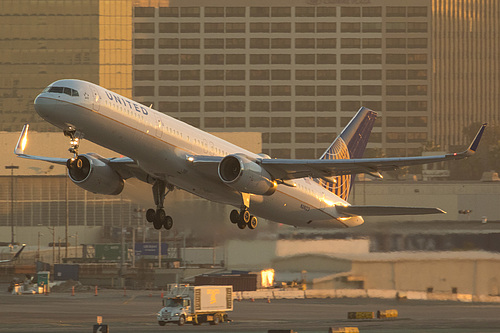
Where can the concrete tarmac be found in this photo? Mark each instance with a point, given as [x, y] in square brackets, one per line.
[136, 312]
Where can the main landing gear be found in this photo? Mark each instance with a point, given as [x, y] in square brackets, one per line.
[158, 217]
[243, 219]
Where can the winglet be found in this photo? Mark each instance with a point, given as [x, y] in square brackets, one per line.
[475, 143]
[23, 141]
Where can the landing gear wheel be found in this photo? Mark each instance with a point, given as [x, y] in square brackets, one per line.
[150, 215]
[234, 216]
[245, 216]
[253, 222]
[241, 224]
[159, 219]
[168, 223]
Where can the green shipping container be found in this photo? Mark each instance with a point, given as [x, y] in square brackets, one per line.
[108, 252]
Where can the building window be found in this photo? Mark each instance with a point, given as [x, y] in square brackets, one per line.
[418, 90]
[417, 106]
[350, 43]
[395, 74]
[190, 59]
[214, 106]
[417, 121]
[372, 74]
[190, 27]
[327, 74]
[235, 59]
[144, 91]
[395, 137]
[399, 11]
[169, 11]
[235, 122]
[395, 106]
[168, 59]
[144, 75]
[350, 74]
[259, 11]
[372, 58]
[304, 122]
[144, 27]
[372, 90]
[214, 43]
[169, 107]
[168, 43]
[395, 27]
[326, 90]
[214, 122]
[259, 121]
[372, 11]
[417, 11]
[350, 27]
[169, 91]
[280, 59]
[281, 106]
[417, 59]
[190, 106]
[235, 43]
[144, 43]
[327, 27]
[305, 74]
[259, 43]
[259, 27]
[281, 122]
[350, 90]
[281, 27]
[304, 137]
[301, 27]
[326, 122]
[259, 106]
[395, 121]
[259, 90]
[305, 90]
[214, 27]
[326, 137]
[350, 59]
[235, 106]
[326, 106]
[235, 11]
[144, 59]
[235, 75]
[281, 90]
[395, 43]
[417, 74]
[326, 43]
[395, 59]
[214, 59]
[214, 90]
[398, 90]
[372, 43]
[280, 74]
[372, 27]
[172, 75]
[259, 59]
[190, 43]
[169, 27]
[327, 11]
[281, 137]
[190, 11]
[327, 59]
[350, 105]
[214, 11]
[235, 27]
[190, 74]
[350, 11]
[305, 106]
[417, 26]
[281, 43]
[304, 43]
[417, 137]
[256, 74]
[281, 11]
[304, 11]
[144, 12]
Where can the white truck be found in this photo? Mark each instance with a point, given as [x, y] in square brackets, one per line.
[196, 304]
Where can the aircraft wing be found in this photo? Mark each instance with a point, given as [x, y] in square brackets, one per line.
[125, 166]
[15, 255]
[290, 169]
[385, 210]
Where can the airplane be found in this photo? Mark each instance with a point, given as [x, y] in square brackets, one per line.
[14, 258]
[170, 154]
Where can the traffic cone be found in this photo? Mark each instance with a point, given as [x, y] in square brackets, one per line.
[95, 291]
[252, 299]
[268, 300]
[161, 293]
[73, 291]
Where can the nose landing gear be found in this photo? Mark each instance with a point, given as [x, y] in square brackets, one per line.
[158, 217]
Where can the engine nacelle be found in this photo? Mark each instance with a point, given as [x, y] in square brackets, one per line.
[244, 175]
[92, 173]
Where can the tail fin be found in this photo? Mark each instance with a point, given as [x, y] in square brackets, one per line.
[351, 143]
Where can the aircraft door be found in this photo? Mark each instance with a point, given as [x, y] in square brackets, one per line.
[158, 125]
[96, 99]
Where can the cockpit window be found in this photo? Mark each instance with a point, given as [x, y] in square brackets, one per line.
[64, 90]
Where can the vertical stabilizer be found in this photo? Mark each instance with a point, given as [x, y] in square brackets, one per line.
[351, 143]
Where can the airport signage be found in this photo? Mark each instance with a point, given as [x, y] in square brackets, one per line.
[150, 249]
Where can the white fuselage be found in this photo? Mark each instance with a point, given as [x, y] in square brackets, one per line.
[161, 145]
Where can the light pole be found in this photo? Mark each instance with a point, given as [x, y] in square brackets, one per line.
[11, 168]
[38, 251]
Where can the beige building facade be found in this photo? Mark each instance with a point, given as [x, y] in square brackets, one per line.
[295, 71]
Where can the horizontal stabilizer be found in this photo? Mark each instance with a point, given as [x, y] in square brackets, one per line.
[386, 210]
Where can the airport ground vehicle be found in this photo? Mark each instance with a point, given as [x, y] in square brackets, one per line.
[196, 304]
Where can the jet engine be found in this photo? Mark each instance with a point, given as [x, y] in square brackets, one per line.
[244, 175]
[92, 173]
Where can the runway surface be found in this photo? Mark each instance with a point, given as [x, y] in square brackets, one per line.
[136, 312]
